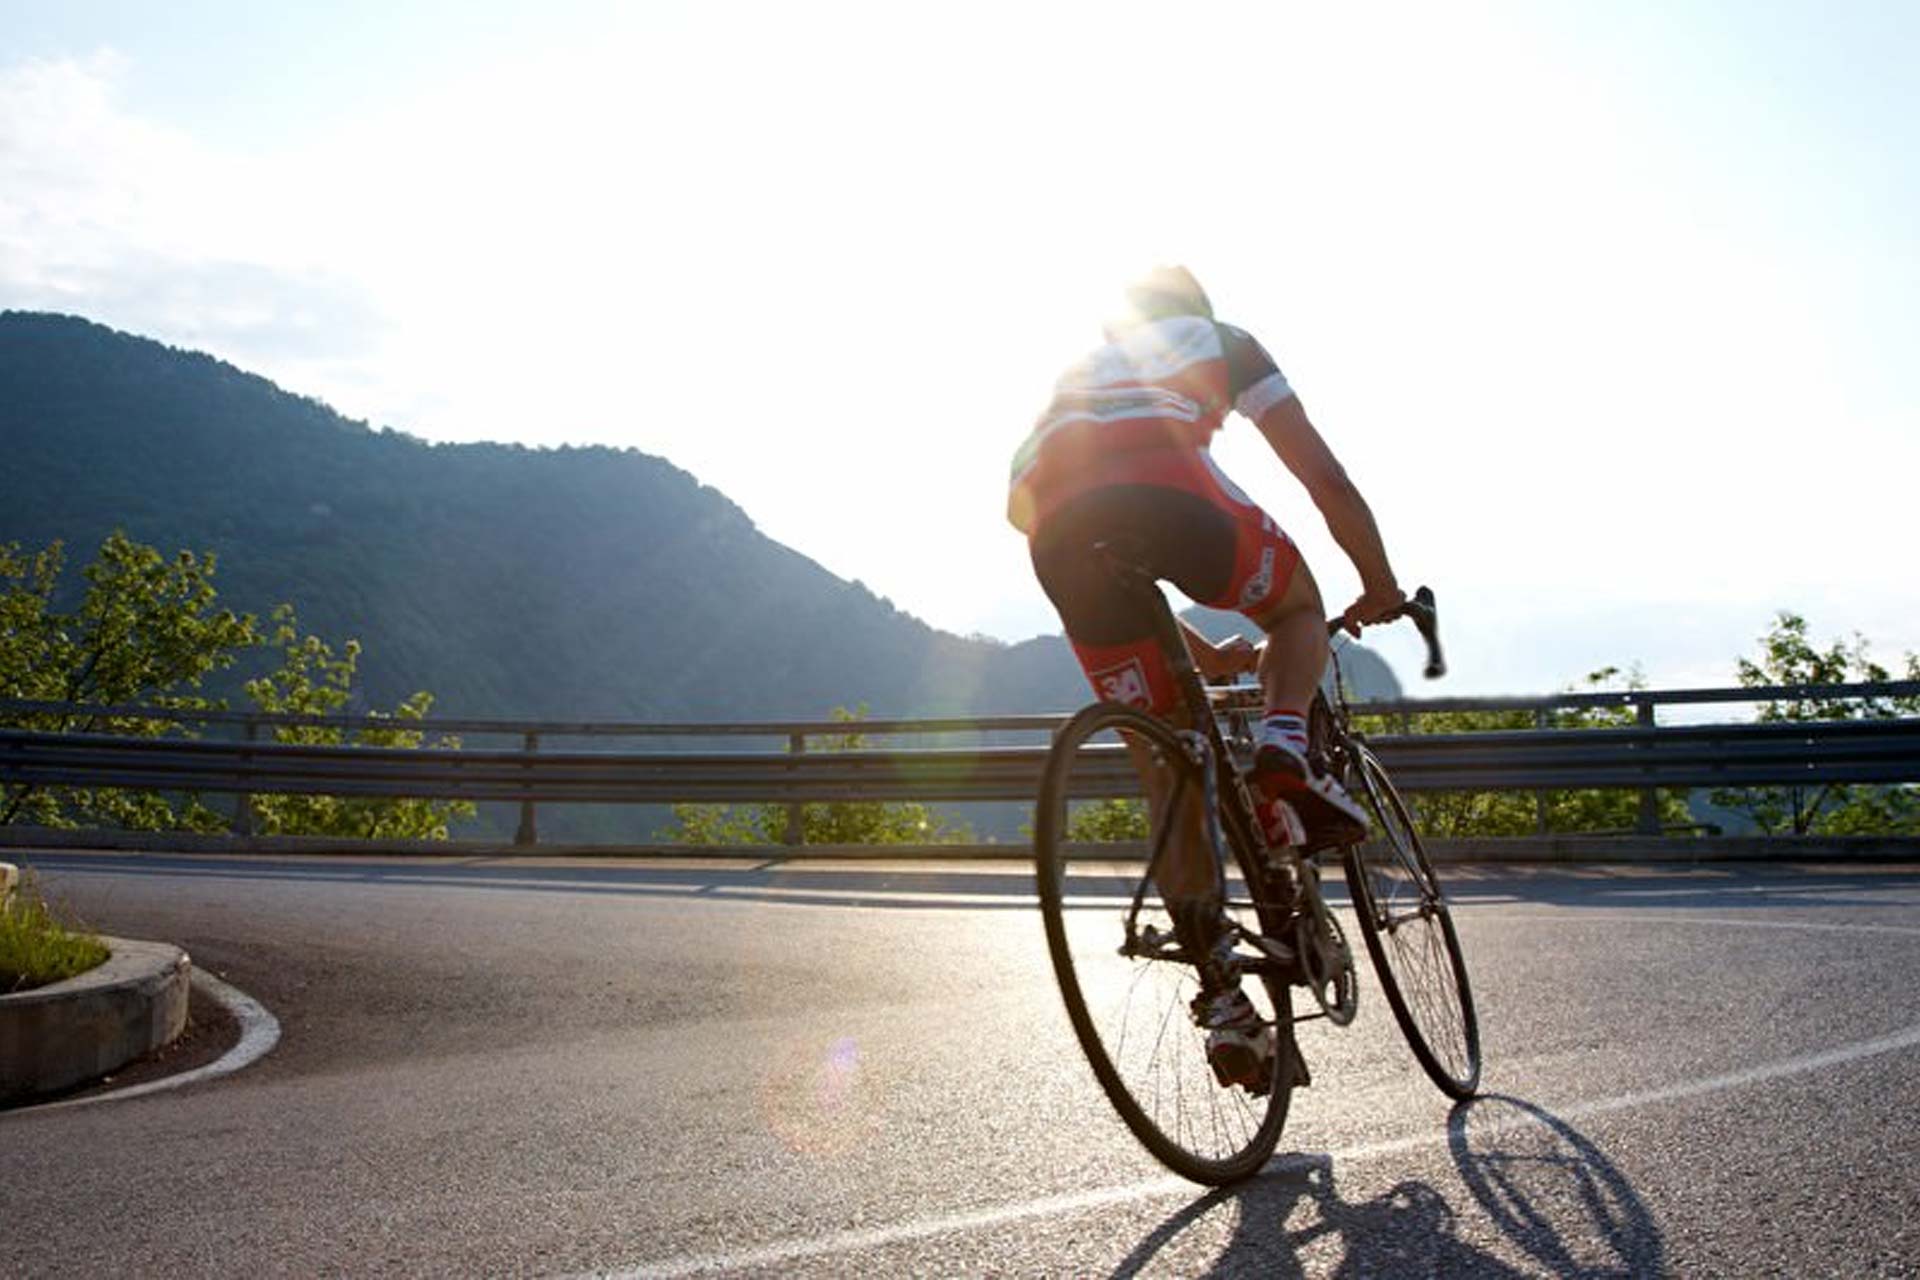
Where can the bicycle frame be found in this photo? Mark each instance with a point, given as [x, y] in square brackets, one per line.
[1232, 804]
[1276, 924]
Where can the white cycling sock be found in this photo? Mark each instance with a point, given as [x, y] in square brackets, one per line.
[1286, 730]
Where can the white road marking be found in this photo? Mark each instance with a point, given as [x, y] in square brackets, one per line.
[1721, 891]
[1575, 915]
[259, 1033]
[793, 1251]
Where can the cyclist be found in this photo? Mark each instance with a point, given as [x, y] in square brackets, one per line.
[1119, 457]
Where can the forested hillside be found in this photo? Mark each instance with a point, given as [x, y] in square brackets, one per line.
[583, 583]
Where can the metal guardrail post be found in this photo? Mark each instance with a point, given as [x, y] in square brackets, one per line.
[1542, 719]
[796, 815]
[528, 832]
[1649, 823]
[242, 824]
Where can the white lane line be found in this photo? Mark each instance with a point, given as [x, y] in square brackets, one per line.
[793, 1251]
[1576, 915]
[1727, 891]
[259, 1033]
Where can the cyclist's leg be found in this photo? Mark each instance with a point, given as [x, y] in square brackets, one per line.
[1112, 632]
[1295, 658]
[1186, 875]
[1271, 585]
[1291, 668]
[1181, 536]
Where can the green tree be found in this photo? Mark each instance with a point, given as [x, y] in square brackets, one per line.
[829, 822]
[148, 632]
[313, 680]
[1788, 657]
[1467, 814]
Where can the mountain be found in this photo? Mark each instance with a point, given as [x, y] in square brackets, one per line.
[576, 583]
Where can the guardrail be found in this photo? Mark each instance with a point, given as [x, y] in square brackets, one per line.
[1643, 758]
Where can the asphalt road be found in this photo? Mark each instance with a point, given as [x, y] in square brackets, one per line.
[637, 1068]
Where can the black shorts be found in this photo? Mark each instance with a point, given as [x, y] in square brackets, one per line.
[1218, 548]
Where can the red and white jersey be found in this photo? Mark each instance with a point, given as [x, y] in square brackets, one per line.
[1163, 386]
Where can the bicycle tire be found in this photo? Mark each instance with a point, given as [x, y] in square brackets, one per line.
[1410, 935]
[1171, 1102]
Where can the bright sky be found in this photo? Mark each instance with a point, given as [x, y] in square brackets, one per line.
[1611, 310]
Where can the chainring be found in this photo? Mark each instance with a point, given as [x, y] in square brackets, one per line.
[1327, 961]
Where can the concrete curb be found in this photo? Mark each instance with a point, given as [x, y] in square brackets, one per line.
[259, 1033]
[85, 1027]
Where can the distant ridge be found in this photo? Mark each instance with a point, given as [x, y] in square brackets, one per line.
[580, 583]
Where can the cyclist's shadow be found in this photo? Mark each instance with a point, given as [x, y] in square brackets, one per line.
[1550, 1197]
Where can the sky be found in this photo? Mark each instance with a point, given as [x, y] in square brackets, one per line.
[1611, 311]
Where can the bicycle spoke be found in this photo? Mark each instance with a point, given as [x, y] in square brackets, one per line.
[1409, 932]
[1129, 995]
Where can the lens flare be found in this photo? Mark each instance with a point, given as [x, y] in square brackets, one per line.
[821, 1102]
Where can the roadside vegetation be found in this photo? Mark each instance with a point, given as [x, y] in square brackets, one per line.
[36, 948]
[836, 822]
[148, 631]
[1445, 814]
[1788, 657]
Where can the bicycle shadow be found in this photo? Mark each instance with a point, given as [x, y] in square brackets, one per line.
[1541, 1188]
[1552, 1191]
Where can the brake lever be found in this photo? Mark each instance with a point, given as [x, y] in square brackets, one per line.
[1426, 619]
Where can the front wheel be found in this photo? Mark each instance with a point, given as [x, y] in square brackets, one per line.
[1409, 933]
[1124, 975]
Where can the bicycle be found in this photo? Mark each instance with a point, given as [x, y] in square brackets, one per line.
[1092, 825]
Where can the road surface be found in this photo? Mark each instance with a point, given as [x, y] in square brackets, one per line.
[639, 1068]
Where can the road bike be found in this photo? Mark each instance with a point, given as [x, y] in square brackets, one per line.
[1128, 982]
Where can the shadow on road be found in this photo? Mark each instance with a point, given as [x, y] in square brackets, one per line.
[1004, 885]
[1408, 1230]
[1531, 1181]
[1007, 886]
[1551, 1191]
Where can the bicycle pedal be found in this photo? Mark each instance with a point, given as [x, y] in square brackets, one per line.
[1302, 1078]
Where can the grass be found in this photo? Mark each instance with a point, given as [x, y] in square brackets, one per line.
[35, 948]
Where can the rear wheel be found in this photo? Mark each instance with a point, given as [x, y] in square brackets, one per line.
[1127, 981]
[1410, 935]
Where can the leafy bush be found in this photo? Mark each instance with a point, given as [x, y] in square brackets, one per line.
[1518, 813]
[832, 822]
[1113, 820]
[148, 632]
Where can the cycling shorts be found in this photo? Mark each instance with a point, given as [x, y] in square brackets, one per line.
[1189, 525]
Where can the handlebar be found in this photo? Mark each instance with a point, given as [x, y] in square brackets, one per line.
[1426, 618]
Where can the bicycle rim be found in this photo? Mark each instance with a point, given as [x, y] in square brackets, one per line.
[1410, 935]
[1131, 1012]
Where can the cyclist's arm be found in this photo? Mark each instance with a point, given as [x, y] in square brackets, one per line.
[1349, 519]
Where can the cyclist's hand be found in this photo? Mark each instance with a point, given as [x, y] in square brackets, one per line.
[1374, 604]
[1228, 658]
[1240, 655]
